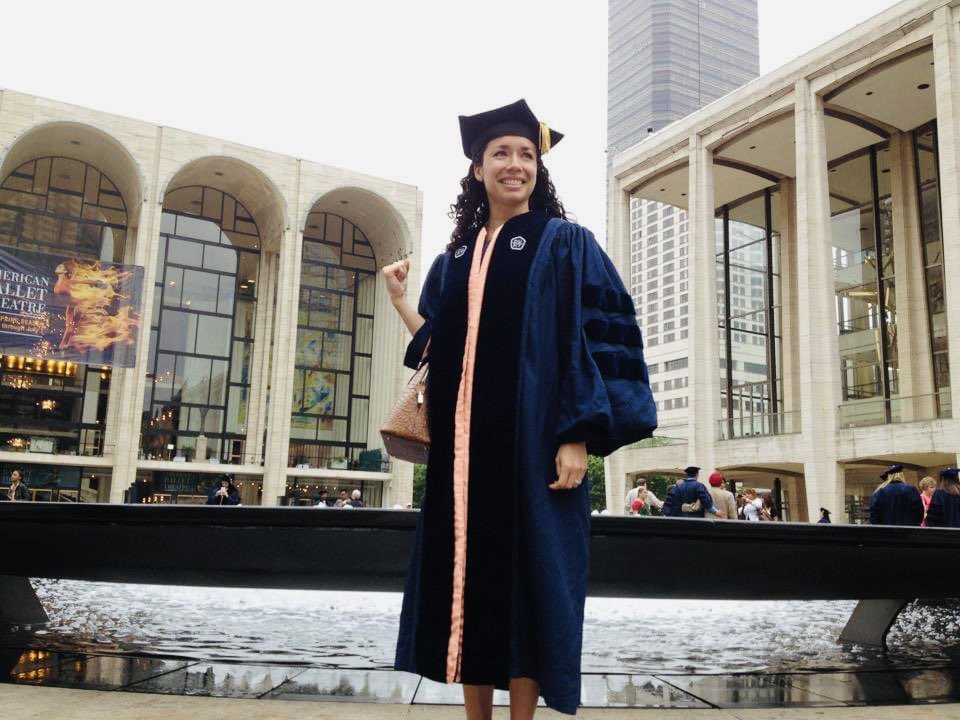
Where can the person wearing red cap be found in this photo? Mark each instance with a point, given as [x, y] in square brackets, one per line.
[641, 499]
[536, 359]
[724, 500]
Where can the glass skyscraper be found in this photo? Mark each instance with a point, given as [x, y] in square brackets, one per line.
[666, 59]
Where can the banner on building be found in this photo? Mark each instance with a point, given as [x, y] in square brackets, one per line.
[55, 308]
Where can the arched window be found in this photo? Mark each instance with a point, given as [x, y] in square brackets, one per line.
[331, 392]
[201, 339]
[62, 206]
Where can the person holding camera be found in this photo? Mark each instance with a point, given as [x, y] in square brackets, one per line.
[224, 493]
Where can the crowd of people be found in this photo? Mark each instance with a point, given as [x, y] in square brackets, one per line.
[343, 499]
[895, 501]
[689, 497]
[932, 504]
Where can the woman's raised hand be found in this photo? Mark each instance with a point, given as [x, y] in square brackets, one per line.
[395, 275]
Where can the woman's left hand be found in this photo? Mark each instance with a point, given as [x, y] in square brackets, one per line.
[571, 466]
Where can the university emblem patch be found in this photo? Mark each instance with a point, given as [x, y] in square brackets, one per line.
[517, 243]
[460, 251]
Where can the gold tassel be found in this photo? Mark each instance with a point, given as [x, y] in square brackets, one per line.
[544, 138]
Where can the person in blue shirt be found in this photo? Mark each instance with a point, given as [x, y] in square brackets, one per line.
[945, 504]
[895, 502]
[689, 498]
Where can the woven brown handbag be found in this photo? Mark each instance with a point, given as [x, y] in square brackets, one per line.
[405, 432]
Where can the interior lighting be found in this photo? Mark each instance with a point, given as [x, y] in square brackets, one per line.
[20, 382]
[48, 405]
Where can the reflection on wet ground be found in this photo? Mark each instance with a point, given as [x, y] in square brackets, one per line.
[183, 677]
[338, 647]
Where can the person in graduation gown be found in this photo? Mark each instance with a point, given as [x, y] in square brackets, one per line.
[945, 503]
[689, 498]
[535, 360]
[895, 502]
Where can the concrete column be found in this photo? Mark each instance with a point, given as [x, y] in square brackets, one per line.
[132, 381]
[389, 376]
[617, 483]
[818, 346]
[618, 249]
[786, 223]
[912, 323]
[281, 374]
[260, 361]
[704, 346]
[946, 55]
[111, 429]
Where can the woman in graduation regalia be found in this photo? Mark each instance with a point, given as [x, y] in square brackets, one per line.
[945, 503]
[535, 360]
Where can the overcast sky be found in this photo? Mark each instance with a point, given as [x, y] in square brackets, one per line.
[370, 85]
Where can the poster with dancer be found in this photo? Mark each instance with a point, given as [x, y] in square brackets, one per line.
[56, 308]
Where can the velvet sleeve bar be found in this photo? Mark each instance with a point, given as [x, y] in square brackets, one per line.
[605, 398]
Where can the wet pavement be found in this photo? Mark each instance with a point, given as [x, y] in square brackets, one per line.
[41, 703]
[272, 682]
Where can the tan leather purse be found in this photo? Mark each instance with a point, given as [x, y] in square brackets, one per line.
[405, 432]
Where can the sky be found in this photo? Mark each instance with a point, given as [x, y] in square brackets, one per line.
[371, 85]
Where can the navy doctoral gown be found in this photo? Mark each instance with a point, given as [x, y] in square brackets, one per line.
[689, 491]
[558, 359]
[896, 504]
[944, 510]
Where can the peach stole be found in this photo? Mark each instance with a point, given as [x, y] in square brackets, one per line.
[479, 266]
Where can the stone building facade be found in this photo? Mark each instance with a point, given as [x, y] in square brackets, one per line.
[268, 346]
[824, 223]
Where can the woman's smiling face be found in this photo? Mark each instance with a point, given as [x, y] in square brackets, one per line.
[508, 171]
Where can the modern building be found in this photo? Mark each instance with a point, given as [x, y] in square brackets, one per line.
[666, 60]
[268, 347]
[829, 189]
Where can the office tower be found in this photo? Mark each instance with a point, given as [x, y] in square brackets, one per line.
[666, 59]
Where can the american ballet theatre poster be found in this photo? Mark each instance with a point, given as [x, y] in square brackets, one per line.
[60, 308]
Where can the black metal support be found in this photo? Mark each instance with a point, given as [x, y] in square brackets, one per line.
[881, 289]
[19, 604]
[870, 622]
[771, 314]
[728, 336]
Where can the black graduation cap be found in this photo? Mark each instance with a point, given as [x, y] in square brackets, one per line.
[890, 470]
[950, 473]
[692, 471]
[514, 119]
[825, 511]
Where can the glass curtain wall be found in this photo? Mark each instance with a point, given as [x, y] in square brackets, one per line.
[865, 286]
[748, 301]
[202, 334]
[928, 192]
[61, 206]
[331, 392]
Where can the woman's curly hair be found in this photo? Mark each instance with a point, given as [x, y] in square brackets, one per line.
[471, 210]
